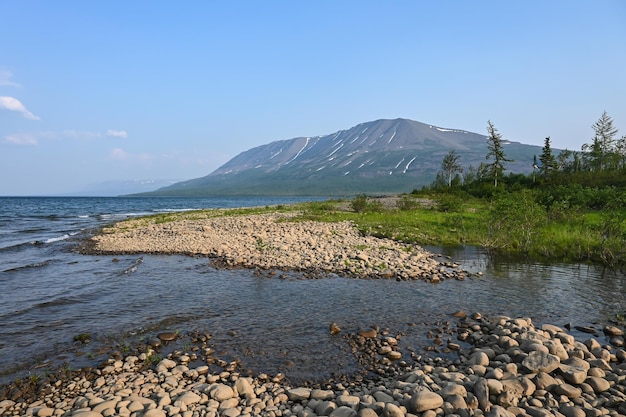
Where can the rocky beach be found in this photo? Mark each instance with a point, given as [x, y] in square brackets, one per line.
[476, 365]
[274, 242]
[505, 367]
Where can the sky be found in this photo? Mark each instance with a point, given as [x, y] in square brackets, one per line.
[95, 91]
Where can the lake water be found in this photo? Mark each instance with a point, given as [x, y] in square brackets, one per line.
[50, 293]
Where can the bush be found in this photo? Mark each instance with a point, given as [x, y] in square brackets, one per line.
[449, 203]
[514, 221]
[406, 203]
[362, 204]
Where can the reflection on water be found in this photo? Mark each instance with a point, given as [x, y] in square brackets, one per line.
[565, 292]
[275, 324]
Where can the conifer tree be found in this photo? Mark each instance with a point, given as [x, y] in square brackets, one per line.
[601, 152]
[548, 161]
[496, 152]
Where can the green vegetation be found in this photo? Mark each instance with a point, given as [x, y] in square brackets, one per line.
[82, 337]
[575, 210]
[572, 207]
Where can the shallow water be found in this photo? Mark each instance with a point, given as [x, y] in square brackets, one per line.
[51, 293]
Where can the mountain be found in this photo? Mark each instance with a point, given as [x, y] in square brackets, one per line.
[118, 187]
[383, 156]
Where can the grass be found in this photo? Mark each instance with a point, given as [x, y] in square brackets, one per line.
[563, 235]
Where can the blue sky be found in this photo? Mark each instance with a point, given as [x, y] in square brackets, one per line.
[92, 91]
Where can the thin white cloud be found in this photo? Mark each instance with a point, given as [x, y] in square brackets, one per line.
[5, 79]
[76, 134]
[119, 154]
[13, 104]
[21, 139]
[117, 133]
[33, 138]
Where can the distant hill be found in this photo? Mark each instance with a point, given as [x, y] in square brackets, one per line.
[114, 188]
[383, 156]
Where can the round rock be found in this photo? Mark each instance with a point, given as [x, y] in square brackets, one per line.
[425, 400]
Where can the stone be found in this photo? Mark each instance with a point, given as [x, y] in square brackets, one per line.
[324, 408]
[154, 412]
[367, 412]
[572, 411]
[221, 392]
[610, 330]
[394, 355]
[351, 401]
[568, 390]
[105, 405]
[320, 394]
[425, 400]
[478, 358]
[598, 384]
[45, 412]
[573, 374]
[167, 364]
[495, 387]
[453, 389]
[244, 388]
[545, 381]
[538, 412]
[508, 399]
[228, 404]
[481, 391]
[392, 410]
[189, 398]
[497, 411]
[382, 397]
[167, 336]
[343, 411]
[89, 413]
[369, 333]
[299, 394]
[537, 361]
[459, 314]
[555, 347]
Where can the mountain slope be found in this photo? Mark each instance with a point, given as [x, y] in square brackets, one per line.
[383, 156]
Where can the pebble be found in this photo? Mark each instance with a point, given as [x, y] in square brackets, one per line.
[269, 242]
[485, 380]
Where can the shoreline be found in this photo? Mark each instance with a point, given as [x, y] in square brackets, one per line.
[275, 241]
[504, 367]
[493, 366]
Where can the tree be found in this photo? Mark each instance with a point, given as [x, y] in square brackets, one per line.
[450, 165]
[496, 152]
[548, 162]
[534, 167]
[601, 152]
[620, 150]
[564, 162]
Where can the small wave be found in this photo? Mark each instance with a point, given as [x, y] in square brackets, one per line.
[84, 216]
[112, 216]
[34, 265]
[57, 239]
[133, 267]
[15, 246]
[174, 210]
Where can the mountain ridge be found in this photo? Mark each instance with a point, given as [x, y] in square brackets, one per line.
[381, 156]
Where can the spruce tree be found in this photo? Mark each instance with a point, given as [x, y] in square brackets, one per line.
[496, 152]
[601, 152]
[548, 161]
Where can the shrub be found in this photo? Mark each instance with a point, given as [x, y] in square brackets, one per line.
[361, 204]
[406, 203]
[449, 203]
